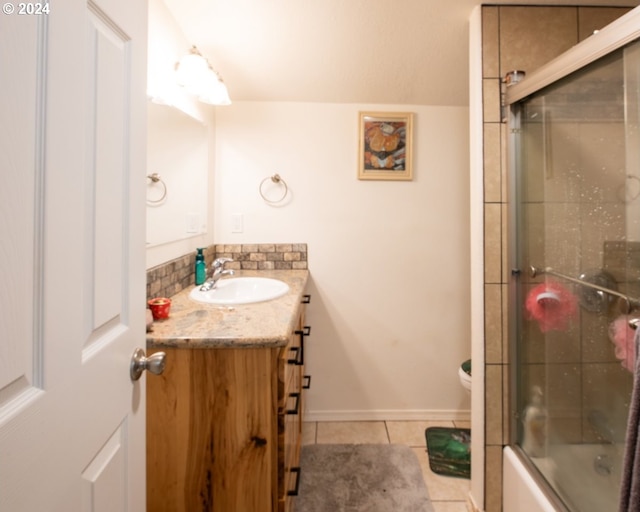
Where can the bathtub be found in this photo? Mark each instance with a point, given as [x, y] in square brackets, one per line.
[520, 492]
[586, 478]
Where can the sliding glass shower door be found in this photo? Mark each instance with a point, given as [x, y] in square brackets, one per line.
[577, 265]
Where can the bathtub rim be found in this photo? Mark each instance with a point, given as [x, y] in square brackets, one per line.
[526, 478]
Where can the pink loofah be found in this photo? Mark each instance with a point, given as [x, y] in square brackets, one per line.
[622, 336]
[552, 306]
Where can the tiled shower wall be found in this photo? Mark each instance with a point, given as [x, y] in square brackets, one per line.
[513, 38]
[173, 276]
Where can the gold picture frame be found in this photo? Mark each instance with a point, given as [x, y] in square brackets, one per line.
[385, 146]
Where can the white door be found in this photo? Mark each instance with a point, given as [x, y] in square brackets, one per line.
[72, 272]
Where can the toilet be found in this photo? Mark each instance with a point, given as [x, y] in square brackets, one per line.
[464, 372]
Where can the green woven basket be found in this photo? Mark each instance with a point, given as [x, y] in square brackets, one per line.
[449, 451]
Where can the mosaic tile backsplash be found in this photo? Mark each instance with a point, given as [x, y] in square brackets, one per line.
[264, 256]
[173, 276]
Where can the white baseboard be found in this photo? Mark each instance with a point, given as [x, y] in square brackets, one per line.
[389, 415]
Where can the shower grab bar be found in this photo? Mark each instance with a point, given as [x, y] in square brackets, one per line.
[534, 271]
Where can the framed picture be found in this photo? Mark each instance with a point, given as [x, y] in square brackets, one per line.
[385, 146]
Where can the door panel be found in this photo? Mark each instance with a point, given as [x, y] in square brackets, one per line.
[107, 173]
[19, 214]
[72, 120]
[104, 485]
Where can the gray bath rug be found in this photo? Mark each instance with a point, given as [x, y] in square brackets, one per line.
[361, 478]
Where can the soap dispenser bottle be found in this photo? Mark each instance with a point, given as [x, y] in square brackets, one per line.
[201, 267]
[534, 439]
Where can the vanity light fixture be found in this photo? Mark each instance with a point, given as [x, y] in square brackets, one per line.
[196, 75]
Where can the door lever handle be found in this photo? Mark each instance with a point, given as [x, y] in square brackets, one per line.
[139, 363]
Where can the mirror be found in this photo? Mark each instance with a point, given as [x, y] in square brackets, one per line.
[177, 153]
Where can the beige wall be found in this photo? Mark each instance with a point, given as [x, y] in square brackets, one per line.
[389, 260]
[514, 38]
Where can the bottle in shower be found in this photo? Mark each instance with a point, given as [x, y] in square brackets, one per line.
[534, 438]
[201, 267]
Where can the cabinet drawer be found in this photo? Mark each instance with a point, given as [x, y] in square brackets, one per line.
[292, 365]
[290, 410]
[292, 360]
[293, 428]
[285, 503]
[293, 482]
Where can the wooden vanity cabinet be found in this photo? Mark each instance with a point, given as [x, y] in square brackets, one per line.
[224, 427]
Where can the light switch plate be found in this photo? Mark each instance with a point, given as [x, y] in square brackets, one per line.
[193, 223]
[237, 223]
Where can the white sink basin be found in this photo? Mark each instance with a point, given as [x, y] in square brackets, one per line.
[241, 290]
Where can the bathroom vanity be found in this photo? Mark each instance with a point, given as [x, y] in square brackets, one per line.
[224, 420]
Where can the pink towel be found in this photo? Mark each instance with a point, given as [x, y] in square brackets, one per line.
[552, 306]
[622, 336]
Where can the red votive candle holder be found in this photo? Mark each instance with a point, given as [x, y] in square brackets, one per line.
[160, 307]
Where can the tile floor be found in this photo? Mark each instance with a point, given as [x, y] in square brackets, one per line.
[447, 494]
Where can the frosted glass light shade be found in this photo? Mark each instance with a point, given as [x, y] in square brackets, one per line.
[194, 73]
[191, 69]
[213, 91]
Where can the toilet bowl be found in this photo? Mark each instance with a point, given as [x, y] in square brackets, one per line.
[464, 372]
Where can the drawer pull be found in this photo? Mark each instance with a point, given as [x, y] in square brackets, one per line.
[305, 331]
[307, 384]
[296, 488]
[296, 359]
[296, 408]
[306, 299]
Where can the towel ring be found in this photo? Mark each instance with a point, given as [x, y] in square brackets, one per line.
[275, 179]
[155, 178]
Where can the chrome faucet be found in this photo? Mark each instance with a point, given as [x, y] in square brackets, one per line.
[217, 271]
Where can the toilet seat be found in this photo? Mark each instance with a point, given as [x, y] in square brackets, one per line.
[465, 378]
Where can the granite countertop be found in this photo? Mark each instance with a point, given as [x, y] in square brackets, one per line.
[194, 324]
